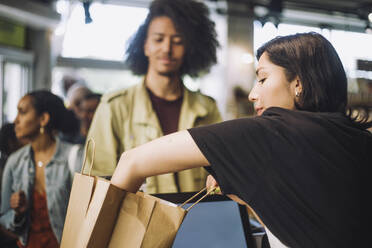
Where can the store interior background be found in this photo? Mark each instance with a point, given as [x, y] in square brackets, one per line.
[43, 40]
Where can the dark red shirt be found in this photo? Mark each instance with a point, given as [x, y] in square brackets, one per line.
[168, 112]
[41, 233]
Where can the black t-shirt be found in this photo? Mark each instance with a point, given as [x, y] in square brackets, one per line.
[304, 174]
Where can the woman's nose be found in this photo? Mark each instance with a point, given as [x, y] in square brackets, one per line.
[253, 95]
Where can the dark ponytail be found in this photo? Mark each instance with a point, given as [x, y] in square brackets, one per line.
[61, 119]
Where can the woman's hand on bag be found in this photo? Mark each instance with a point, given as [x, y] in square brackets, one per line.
[18, 202]
[212, 183]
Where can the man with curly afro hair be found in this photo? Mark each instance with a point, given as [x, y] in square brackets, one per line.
[176, 39]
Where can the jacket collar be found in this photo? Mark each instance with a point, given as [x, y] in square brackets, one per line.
[191, 109]
[143, 112]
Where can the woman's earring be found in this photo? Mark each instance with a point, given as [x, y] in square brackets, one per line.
[297, 94]
[42, 130]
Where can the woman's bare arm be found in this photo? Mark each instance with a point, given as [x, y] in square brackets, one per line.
[171, 153]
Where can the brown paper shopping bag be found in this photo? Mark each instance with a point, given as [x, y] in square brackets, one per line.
[145, 221]
[100, 215]
[92, 211]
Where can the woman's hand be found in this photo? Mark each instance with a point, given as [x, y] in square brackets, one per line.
[18, 202]
[212, 183]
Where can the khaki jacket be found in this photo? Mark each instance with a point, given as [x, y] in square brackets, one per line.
[125, 119]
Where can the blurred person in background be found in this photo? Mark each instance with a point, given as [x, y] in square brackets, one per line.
[66, 83]
[75, 95]
[176, 39]
[37, 178]
[88, 107]
[8, 144]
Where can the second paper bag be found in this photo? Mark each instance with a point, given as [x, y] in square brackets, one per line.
[145, 221]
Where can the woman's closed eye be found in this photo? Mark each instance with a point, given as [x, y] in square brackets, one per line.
[261, 81]
[158, 40]
[21, 111]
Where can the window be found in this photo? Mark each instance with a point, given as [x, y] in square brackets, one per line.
[105, 38]
[15, 80]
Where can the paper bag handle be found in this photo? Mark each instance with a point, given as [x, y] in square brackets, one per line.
[209, 192]
[85, 155]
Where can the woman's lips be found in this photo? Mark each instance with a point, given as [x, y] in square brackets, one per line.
[259, 111]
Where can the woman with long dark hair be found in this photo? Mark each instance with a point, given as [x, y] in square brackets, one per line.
[302, 164]
[37, 179]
